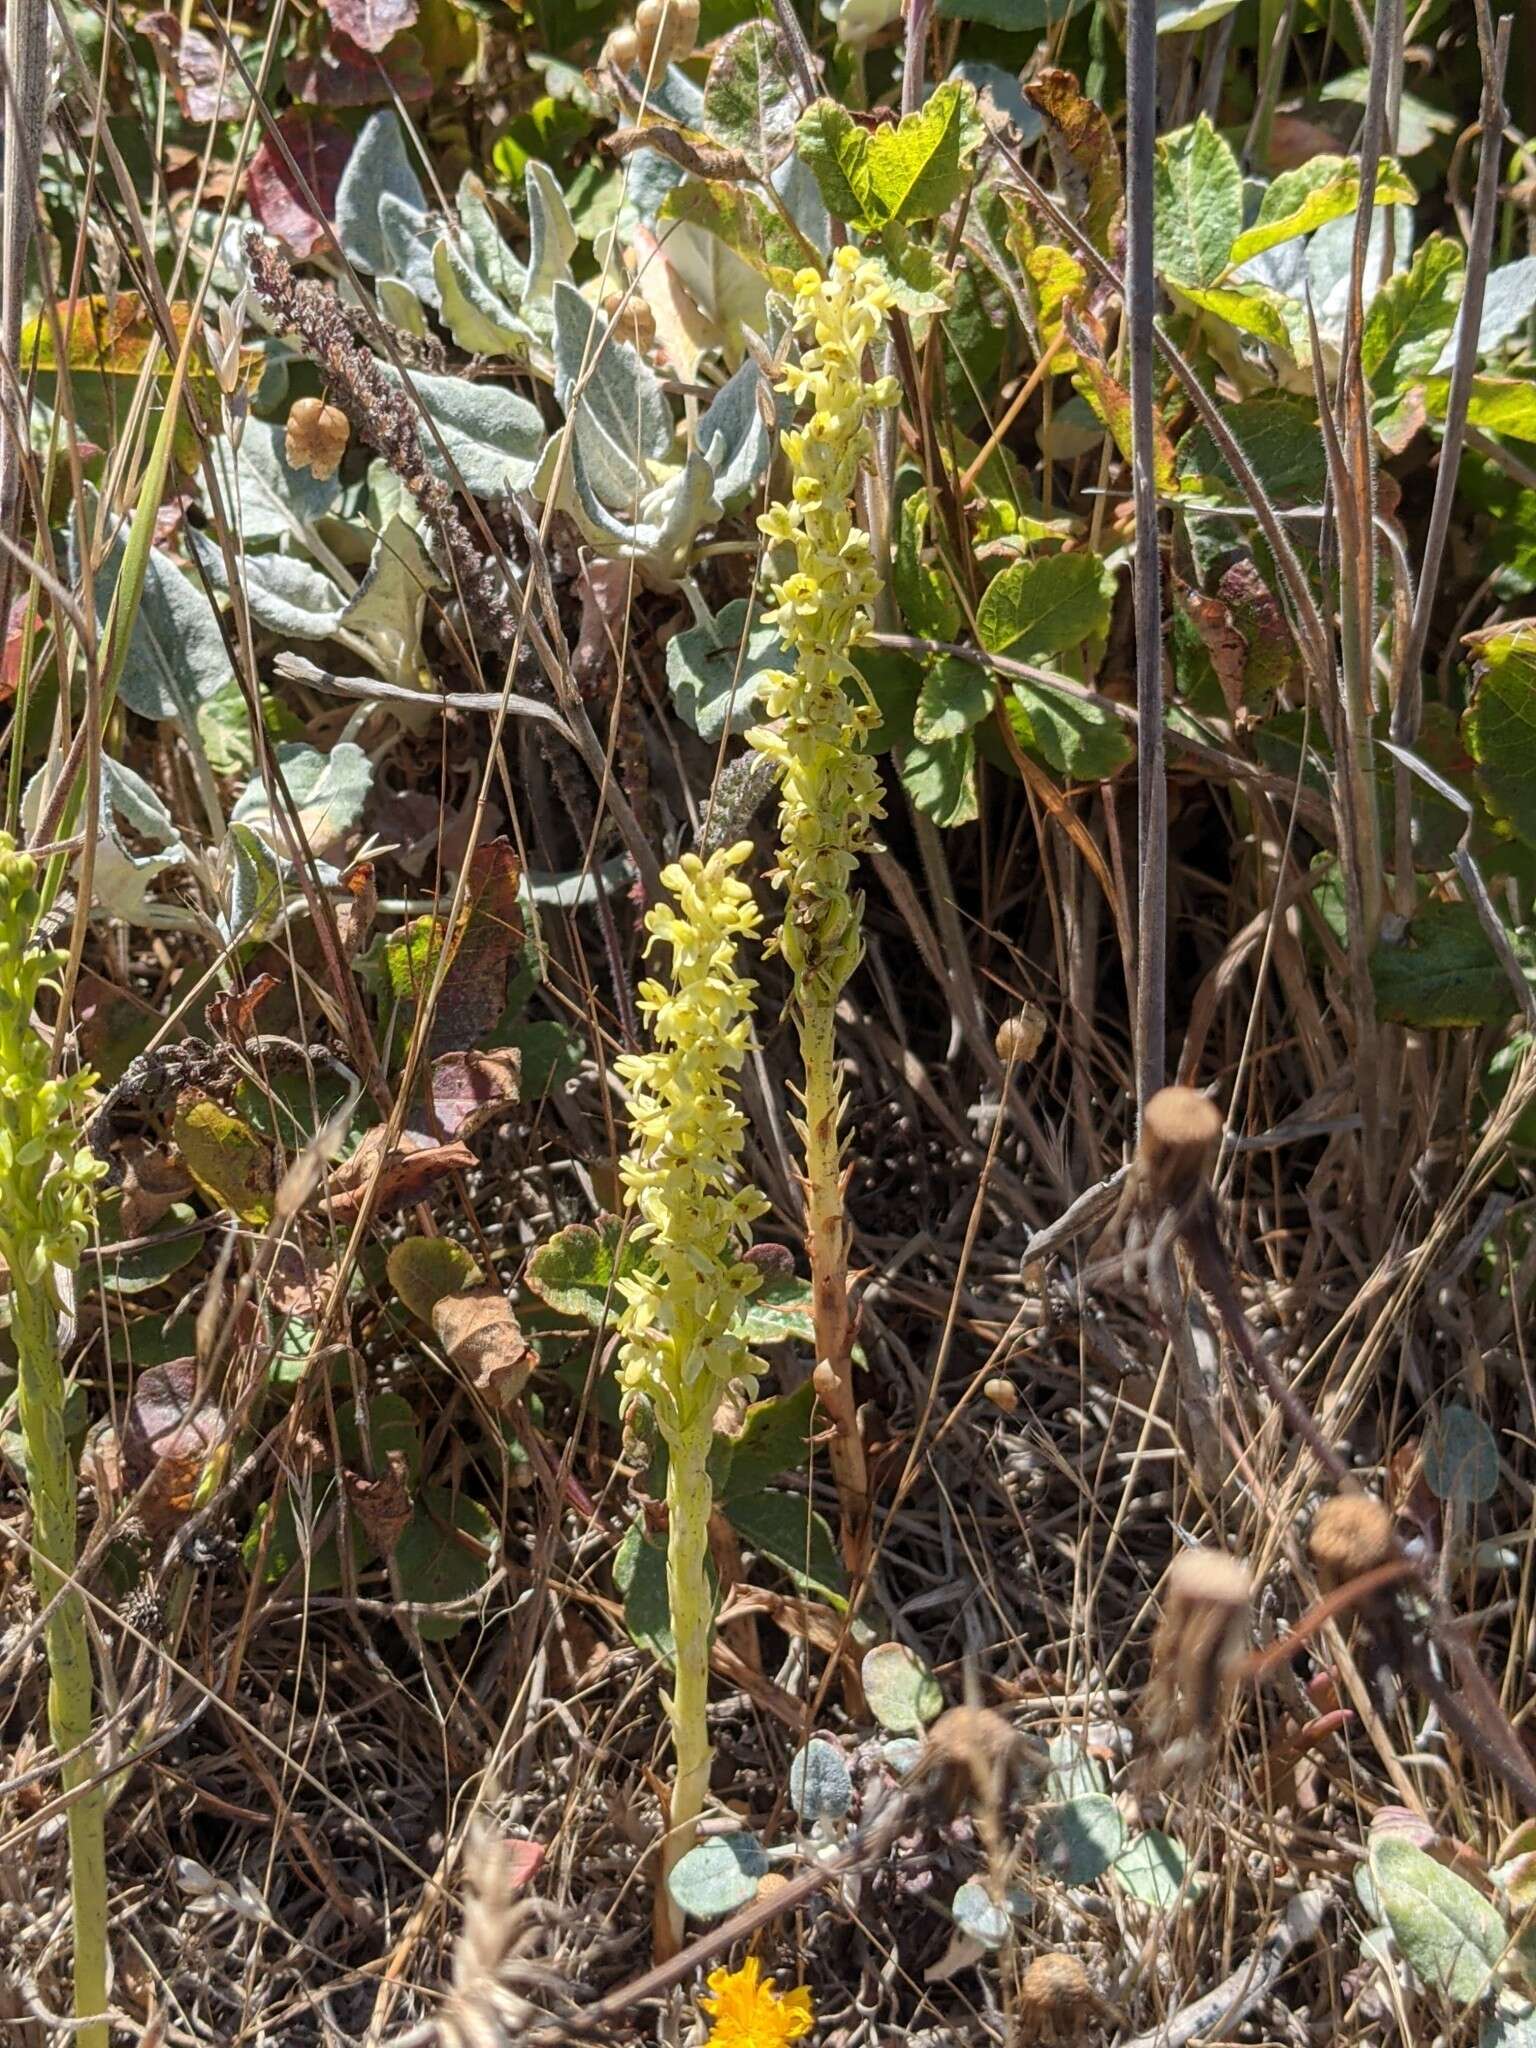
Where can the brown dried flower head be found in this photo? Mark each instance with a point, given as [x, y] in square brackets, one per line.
[1199, 1643]
[1056, 2000]
[971, 1760]
[1352, 1535]
[631, 320]
[317, 437]
[1180, 1131]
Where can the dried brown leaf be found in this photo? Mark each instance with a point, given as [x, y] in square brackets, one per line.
[405, 1172]
[481, 1335]
[470, 1089]
[382, 1505]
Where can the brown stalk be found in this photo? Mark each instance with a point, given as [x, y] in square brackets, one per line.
[1171, 1177]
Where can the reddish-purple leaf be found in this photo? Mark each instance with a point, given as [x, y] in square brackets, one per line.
[490, 931]
[371, 23]
[171, 1428]
[320, 149]
[345, 75]
[470, 1088]
[207, 86]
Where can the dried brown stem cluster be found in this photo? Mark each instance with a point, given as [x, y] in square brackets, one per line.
[380, 412]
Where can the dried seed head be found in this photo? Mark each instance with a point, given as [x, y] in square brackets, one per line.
[1002, 1394]
[1056, 1999]
[969, 1757]
[1200, 1639]
[1197, 1576]
[1180, 1131]
[1021, 1036]
[770, 1884]
[1352, 1535]
[622, 49]
[316, 438]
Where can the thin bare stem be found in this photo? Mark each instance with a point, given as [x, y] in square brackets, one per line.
[1146, 585]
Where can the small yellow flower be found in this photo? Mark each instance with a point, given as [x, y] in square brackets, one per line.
[749, 2012]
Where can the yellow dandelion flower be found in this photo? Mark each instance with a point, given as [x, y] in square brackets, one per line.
[748, 2011]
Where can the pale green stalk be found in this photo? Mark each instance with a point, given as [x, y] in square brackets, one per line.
[51, 1477]
[690, 1605]
[44, 1222]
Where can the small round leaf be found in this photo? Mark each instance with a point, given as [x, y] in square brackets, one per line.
[1461, 1459]
[819, 1784]
[424, 1269]
[903, 1693]
[718, 1876]
[1153, 1869]
[1078, 1840]
[901, 1754]
[979, 1916]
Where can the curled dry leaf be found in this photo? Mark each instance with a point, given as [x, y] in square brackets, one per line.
[11, 651]
[357, 909]
[489, 934]
[316, 437]
[153, 1181]
[233, 1016]
[481, 1335]
[469, 1089]
[382, 1505]
[170, 1432]
[405, 1172]
[298, 1284]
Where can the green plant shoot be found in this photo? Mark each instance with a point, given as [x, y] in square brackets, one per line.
[679, 1348]
[822, 717]
[45, 1222]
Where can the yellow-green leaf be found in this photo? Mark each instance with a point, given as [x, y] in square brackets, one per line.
[1499, 405]
[1033, 610]
[1250, 308]
[1325, 189]
[909, 171]
[231, 1165]
[1198, 195]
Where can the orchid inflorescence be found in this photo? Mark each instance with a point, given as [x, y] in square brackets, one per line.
[678, 1348]
[822, 712]
[822, 716]
[48, 1175]
[679, 1343]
